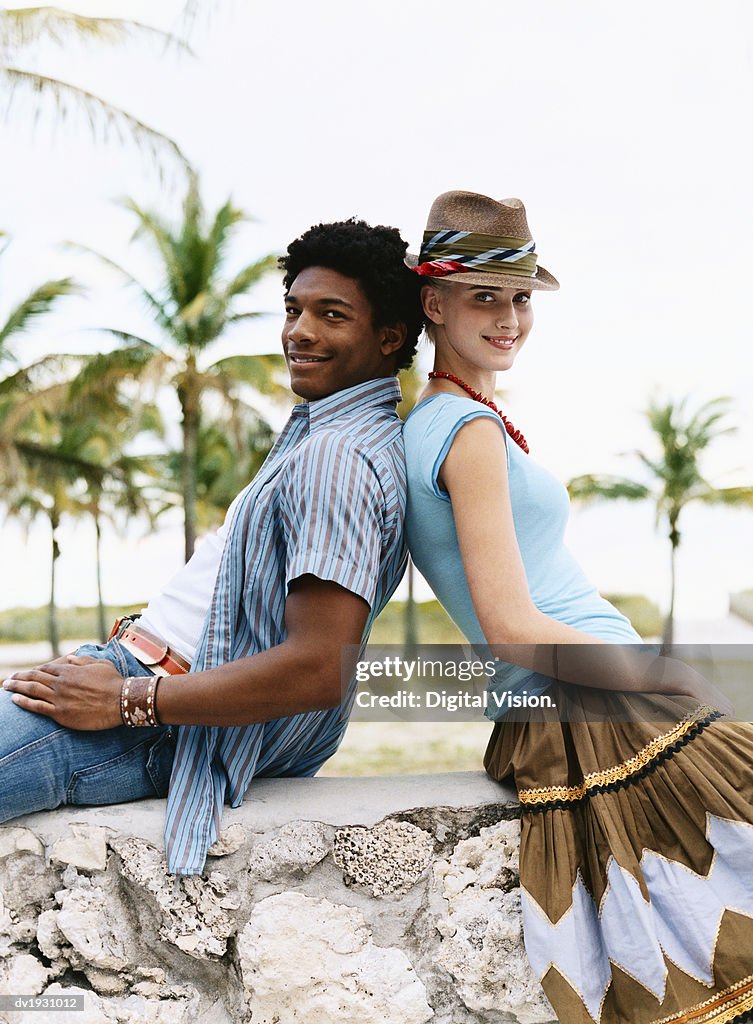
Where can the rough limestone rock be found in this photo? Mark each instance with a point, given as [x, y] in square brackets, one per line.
[85, 847]
[88, 932]
[51, 941]
[7, 925]
[389, 858]
[337, 974]
[409, 916]
[23, 974]
[297, 847]
[193, 911]
[482, 945]
[17, 840]
[131, 1010]
[231, 840]
[154, 985]
[26, 880]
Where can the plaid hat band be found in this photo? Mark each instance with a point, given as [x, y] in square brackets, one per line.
[477, 240]
[472, 250]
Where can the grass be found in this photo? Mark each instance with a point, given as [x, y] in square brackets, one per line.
[434, 625]
[29, 625]
[644, 614]
[397, 747]
[410, 748]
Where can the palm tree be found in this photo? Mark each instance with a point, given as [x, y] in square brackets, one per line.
[229, 455]
[43, 489]
[40, 383]
[72, 460]
[22, 28]
[37, 303]
[98, 428]
[193, 306]
[676, 478]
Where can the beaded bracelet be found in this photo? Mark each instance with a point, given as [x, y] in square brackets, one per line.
[138, 700]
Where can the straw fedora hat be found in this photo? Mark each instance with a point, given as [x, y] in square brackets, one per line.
[477, 240]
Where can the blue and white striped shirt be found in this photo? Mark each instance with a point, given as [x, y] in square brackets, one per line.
[330, 501]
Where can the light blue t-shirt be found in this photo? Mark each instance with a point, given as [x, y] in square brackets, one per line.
[540, 506]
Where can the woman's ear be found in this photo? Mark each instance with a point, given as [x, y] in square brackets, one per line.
[431, 300]
[394, 338]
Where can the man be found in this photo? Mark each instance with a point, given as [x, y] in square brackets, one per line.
[310, 554]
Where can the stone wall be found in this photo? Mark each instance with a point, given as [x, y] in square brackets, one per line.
[329, 901]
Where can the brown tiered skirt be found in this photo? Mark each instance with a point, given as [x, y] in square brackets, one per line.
[636, 858]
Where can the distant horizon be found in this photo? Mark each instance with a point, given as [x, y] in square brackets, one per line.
[144, 563]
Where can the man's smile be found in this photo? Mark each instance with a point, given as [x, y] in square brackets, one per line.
[300, 358]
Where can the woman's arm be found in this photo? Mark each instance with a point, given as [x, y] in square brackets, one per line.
[474, 474]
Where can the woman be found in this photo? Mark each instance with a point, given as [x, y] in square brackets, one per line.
[636, 858]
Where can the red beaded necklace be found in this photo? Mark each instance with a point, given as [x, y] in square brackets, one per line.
[478, 397]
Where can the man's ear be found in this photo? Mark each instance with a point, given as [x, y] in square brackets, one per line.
[431, 300]
[393, 338]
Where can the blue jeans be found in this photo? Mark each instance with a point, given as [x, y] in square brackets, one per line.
[44, 765]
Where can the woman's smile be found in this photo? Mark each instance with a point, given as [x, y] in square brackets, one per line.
[500, 341]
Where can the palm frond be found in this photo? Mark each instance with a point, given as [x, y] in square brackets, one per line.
[27, 26]
[663, 414]
[216, 243]
[151, 300]
[52, 458]
[235, 317]
[592, 487]
[249, 276]
[99, 380]
[101, 115]
[128, 337]
[699, 428]
[47, 401]
[728, 496]
[39, 302]
[192, 313]
[40, 374]
[152, 226]
[190, 13]
[191, 243]
[657, 468]
[263, 373]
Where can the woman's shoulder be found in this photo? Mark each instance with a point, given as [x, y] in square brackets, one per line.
[443, 411]
[430, 430]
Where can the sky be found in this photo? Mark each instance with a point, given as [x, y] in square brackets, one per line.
[623, 127]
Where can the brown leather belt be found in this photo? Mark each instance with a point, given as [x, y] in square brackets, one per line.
[150, 650]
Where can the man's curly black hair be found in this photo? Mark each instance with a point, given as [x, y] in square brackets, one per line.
[373, 256]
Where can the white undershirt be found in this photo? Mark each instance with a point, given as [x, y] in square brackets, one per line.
[177, 613]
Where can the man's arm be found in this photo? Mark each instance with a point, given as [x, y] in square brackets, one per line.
[303, 673]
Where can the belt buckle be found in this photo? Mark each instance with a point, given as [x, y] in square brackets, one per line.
[118, 625]
[120, 622]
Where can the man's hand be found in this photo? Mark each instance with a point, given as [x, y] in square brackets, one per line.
[67, 659]
[76, 692]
